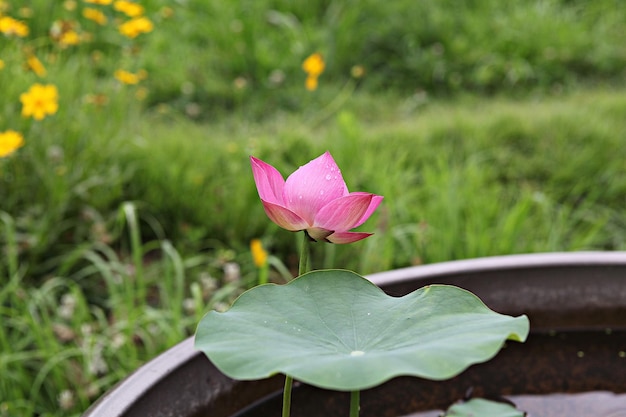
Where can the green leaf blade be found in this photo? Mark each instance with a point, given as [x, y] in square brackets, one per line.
[336, 330]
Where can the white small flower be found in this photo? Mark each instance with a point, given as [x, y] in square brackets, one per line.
[221, 307]
[154, 330]
[97, 364]
[118, 341]
[189, 305]
[86, 329]
[92, 391]
[209, 284]
[67, 307]
[66, 400]
[232, 272]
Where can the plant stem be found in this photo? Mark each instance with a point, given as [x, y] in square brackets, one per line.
[355, 399]
[304, 255]
[287, 396]
[264, 274]
[302, 268]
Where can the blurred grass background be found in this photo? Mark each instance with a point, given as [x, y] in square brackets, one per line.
[490, 127]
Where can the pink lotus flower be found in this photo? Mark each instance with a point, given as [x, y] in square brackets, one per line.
[315, 199]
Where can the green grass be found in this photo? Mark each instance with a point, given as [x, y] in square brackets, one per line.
[467, 178]
[77, 333]
[443, 47]
[490, 128]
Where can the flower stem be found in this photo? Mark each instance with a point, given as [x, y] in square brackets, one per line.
[287, 396]
[355, 403]
[304, 256]
[302, 268]
[263, 274]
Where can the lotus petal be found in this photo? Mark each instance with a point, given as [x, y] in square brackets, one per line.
[314, 198]
[314, 185]
[269, 183]
[376, 200]
[343, 213]
[347, 237]
[319, 234]
[284, 217]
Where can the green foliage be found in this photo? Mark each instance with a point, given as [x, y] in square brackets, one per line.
[335, 329]
[133, 201]
[465, 179]
[68, 339]
[435, 46]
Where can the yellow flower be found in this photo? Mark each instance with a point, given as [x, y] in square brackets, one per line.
[10, 141]
[95, 15]
[10, 26]
[40, 100]
[313, 66]
[129, 8]
[136, 26]
[1, 64]
[69, 38]
[35, 65]
[64, 32]
[311, 83]
[259, 255]
[127, 77]
[101, 2]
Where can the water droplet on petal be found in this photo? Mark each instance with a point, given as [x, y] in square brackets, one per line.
[328, 177]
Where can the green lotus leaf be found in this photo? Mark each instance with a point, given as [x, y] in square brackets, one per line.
[483, 408]
[335, 329]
